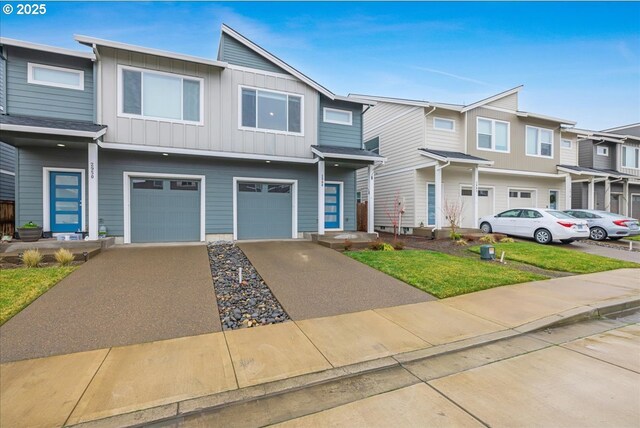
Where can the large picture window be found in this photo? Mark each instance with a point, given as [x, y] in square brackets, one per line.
[539, 142]
[162, 96]
[269, 110]
[493, 135]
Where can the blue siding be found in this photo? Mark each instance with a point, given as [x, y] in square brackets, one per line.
[7, 163]
[234, 52]
[330, 134]
[348, 177]
[37, 100]
[7, 187]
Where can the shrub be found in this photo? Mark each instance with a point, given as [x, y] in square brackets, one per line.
[347, 245]
[63, 257]
[455, 236]
[386, 247]
[376, 245]
[461, 242]
[32, 258]
[506, 240]
[488, 239]
[499, 236]
[30, 225]
[398, 245]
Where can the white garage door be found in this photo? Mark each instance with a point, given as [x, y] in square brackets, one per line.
[485, 204]
[520, 198]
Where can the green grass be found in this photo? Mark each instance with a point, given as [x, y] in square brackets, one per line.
[442, 275]
[633, 238]
[21, 286]
[555, 258]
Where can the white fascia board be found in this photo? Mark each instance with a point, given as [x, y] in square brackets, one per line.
[518, 172]
[492, 99]
[52, 131]
[355, 100]
[455, 160]
[544, 117]
[46, 48]
[206, 153]
[588, 173]
[416, 103]
[262, 52]
[599, 139]
[91, 41]
[323, 155]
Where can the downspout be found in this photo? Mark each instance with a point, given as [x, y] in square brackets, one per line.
[466, 135]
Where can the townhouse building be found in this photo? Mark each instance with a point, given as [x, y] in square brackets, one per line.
[159, 146]
[487, 156]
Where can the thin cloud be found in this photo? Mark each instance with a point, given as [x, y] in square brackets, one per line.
[454, 76]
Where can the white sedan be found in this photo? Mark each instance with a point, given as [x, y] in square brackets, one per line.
[540, 224]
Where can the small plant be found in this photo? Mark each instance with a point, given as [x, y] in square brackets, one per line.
[30, 225]
[398, 245]
[507, 240]
[63, 257]
[488, 239]
[347, 245]
[499, 236]
[31, 258]
[376, 245]
[386, 247]
[454, 236]
[469, 238]
[461, 242]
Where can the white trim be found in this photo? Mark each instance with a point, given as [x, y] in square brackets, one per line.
[321, 176]
[336, 110]
[492, 99]
[564, 140]
[493, 135]
[518, 172]
[262, 72]
[453, 122]
[323, 155]
[427, 224]
[407, 102]
[539, 142]
[46, 195]
[534, 195]
[86, 40]
[623, 157]
[142, 71]
[126, 183]
[341, 219]
[294, 201]
[4, 171]
[480, 187]
[270, 131]
[622, 127]
[630, 202]
[557, 200]
[589, 173]
[604, 149]
[500, 109]
[455, 160]
[45, 48]
[33, 81]
[207, 153]
[92, 190]
[548, 118]
[52, 131]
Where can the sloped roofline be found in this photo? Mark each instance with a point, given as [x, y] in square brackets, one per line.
[405, 101]
[46, 48]
[595, 135]
[492, 98]
[618, 128]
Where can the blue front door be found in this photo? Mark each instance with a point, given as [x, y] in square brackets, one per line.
[66, 201]
[332, 208]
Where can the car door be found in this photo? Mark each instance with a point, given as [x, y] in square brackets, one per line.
[528, 222]
[505, 222]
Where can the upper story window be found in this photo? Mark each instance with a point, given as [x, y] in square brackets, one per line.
[444, 124]
[493, 135]
[602, 150]
[160, 96]
[339, 117]
[539, 142]
[566, 144]
[373, 145]
[631, 157]
[58, 77]
[270, 110]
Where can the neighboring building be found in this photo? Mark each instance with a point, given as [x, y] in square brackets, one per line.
[490, 156]
[180, 148]
[608, 173]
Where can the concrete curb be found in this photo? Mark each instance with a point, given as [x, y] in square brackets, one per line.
[243, 395]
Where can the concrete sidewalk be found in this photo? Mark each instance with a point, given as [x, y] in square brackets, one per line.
[621, 252]
[158, 380]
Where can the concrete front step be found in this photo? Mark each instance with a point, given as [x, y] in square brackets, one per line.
[337, 240]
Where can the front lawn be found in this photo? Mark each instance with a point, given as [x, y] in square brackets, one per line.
[633, 238]
[442, 275]
[555, 258]
[21, 286]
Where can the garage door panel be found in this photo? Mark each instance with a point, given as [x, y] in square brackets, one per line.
[264, 211]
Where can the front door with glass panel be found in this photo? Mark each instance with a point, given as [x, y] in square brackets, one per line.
[553, 199]
[66, 201]
[332, 208]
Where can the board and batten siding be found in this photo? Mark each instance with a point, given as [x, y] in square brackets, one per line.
[234, 52]
[332, 134]
[29, 99]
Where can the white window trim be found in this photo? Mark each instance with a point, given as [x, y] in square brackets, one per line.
[128, 175]
[557, 199]
[565, 140]
[480, 186]
[534, 195]
[31, 80]
[426, 211]
[453, 122]
[604, 149]
[335, 122]
[270, 131]
[539, 142]
[294, 201]
[493, 135]
[637, 149]
[46, 195]
[341, 218]
[120, 90]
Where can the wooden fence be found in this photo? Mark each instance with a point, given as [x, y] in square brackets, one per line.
[7, 217]
[361, 211]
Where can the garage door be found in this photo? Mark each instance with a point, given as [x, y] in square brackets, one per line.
[522, 198]
[165, 210]
[485, 204]
[635, 206]
[264, 210]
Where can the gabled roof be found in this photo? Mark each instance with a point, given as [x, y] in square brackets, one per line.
[448, 156]
[46, 48]
[91, 41]
[492, 98]
[43, 125]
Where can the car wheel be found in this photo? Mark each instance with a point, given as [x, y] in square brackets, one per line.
[542, 236]
[566, 241]
[616, 238]
[485, 227]
[597, 234]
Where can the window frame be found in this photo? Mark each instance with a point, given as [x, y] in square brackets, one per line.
[31, 80]
[271, 131]
[623, 157]
[337, 110]
[120, 90]
[566, 140]
[605, 150]
[539, 142]
[453, 122]
[374, 150]
[493, 135]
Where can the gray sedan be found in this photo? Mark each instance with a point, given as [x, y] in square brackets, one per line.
[603, 224]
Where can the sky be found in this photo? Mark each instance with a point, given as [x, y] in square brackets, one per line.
[576, 60]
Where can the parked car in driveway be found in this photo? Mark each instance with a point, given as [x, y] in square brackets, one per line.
[603, 224]
[543, 225]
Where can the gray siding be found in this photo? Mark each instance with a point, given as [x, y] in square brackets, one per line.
[585, 153]
[331, 134]
[604, 162]
[632, 130]
[7, 187]
[38, 100]
[577, 196]
[7, 163]
[234, 52]
[3, 84]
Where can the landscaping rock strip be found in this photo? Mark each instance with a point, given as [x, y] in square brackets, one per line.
[241, 304]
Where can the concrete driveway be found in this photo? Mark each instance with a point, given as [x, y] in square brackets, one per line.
[312, 281]
[123, 296]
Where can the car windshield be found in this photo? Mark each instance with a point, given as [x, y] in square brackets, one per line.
[560, 214]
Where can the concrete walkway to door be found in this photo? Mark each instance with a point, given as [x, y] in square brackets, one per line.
[312, 281]
[126, 295]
